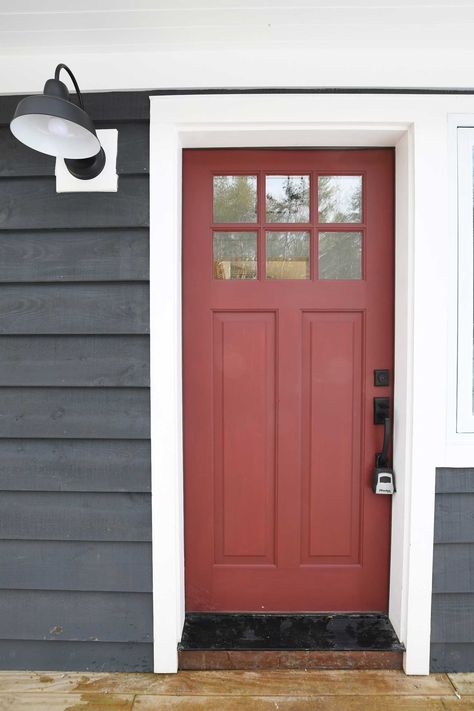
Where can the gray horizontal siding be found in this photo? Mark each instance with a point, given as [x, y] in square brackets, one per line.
[74, 309]
[74, 516]
[75, 412]
[75, 616]
[75, 506]
[453, 617]
[74, 656]
[454, 518]
[74, 465]
[132, 156]
[454, 481]
[87, 566]
[452, 657]
[74, 255]
[48, 210]
[90, 361]
[453, 568]
[452, 623]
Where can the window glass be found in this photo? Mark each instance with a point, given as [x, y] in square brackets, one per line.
[235, 255]
[235, 198]
[287, 255]
[340, 255]
[340, 198]
[287, 198]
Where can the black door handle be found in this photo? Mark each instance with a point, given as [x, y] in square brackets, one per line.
[381, 409]
[381, 458]
[383, 478]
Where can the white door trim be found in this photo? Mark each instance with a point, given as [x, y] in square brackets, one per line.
[179, 122]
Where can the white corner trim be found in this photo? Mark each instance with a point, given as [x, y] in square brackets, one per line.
[165, 381]
[465, 415]
[417, 127]
[105, 182]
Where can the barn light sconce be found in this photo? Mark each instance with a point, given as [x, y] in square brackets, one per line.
[51, 123]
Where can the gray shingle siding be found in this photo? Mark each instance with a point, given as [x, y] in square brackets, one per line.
[75, 510]
[452, 624]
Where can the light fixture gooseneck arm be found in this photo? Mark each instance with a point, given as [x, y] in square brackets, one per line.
[83, 168]
[74, 81]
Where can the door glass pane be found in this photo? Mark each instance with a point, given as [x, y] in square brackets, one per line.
[340, 255]
[287, 198]
[235, 198]
[235, 255]
[340, 198]
[287, 255]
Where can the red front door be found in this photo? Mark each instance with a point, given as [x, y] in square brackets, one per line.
[288, 309]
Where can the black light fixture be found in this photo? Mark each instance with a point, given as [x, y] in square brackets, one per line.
[51, 123]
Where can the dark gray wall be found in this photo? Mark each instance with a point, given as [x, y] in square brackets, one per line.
[75, 537]
[452, 625]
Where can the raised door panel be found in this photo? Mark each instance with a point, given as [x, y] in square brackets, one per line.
[244, 436]
[332, 407]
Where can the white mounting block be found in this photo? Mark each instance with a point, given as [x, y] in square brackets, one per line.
[106, 182]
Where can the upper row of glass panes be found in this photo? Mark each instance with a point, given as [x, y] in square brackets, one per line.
[287, 198]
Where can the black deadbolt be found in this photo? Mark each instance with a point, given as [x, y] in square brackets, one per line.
[381, 377]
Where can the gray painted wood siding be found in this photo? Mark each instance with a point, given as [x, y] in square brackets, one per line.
[74, 465]
[47, 210]
[51, 615]
[132, 157]
[452, 624]
[79, 255]
[75, 510]
[109, 413]
[74, 656]
[87, 308]
[75, 516]
[105, 566]
[88, 361]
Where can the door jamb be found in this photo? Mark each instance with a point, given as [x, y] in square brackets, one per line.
[179, 122]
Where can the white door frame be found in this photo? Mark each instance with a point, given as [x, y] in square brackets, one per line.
[416, 127]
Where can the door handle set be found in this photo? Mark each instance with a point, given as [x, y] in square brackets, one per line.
[383, 479]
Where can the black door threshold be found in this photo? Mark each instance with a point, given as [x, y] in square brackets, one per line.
[290, 641]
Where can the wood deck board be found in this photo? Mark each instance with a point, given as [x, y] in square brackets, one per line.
[284, 683]
[294, 683]
[466, 703]
[463, 683]
[286, 703]
[66, 702]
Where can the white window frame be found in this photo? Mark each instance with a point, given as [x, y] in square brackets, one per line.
[465, 146]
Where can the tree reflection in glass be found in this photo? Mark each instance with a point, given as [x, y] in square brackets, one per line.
[235, 198]
[340, 255]
[287, 255]
[340, 198]
[287, 198]
[235, 255]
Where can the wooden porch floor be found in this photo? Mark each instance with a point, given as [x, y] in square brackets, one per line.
[236, 691]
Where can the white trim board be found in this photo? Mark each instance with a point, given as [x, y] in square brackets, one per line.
[459, 429]
[282, 66]
[417, 127]
[465, 415]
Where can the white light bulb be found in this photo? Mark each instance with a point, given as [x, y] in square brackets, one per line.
[58, 127]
